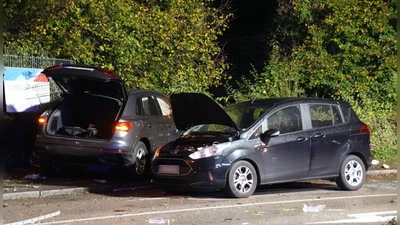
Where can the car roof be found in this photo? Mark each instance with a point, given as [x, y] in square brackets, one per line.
[143, 91]
[276, 101]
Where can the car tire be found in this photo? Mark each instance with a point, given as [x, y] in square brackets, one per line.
[352, 174]
[50, 168]
[141, 166]
[241, 180]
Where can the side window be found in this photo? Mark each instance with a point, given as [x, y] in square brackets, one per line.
[165, 107]
[146, 106]
[324, 115]
[286, 120]
[256, 133]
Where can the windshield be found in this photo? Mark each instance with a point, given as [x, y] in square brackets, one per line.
[245, 114]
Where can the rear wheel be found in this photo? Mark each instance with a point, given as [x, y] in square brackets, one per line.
[352, 174]
[50, 168]
[242, 180]
[142, 165]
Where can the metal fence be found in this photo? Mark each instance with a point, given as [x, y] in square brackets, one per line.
[33, 62]
[37, 63]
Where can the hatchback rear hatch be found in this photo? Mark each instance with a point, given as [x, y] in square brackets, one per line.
[91, 102]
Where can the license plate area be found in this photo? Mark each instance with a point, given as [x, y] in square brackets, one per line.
[168, 169]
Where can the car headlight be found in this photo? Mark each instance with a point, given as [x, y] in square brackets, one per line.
[161, 148]
[209, 151]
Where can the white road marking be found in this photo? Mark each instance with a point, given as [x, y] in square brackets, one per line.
[148, 199]
[365, 218]
[36, 219]
[210, 208]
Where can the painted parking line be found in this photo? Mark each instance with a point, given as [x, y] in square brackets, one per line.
[371, 217]
[210, 208]
[36, 219]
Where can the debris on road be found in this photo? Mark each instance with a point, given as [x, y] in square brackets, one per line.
[317, 208]
[34, 177]
[159, 221]
[385, 166]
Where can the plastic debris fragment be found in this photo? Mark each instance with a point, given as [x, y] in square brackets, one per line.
[375, 162]
[34, 177]
[159, 221]
[385, 166]
[317, 208]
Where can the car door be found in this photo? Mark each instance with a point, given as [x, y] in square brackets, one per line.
[328, 141]
[153, 120]
[287, 155]
[166, 112]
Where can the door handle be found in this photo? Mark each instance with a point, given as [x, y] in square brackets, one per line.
[319, 135]
[300, 139]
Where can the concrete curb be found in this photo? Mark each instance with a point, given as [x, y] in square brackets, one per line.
[376, 172]
[18, 195]
[99, 189]
[54, 192]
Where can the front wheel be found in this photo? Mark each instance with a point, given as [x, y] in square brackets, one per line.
[352, 174]
[242, 180]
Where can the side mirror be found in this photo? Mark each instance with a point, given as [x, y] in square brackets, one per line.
[269, 134]
[272, 133]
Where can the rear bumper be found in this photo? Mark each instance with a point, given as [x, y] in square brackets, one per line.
[84, 156]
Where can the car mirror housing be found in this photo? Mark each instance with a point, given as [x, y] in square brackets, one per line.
[272, 133]
[269, 134]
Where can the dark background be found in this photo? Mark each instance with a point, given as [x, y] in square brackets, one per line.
[246, 41]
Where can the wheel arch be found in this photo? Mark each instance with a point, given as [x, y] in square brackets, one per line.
[252, 162]
[147, 143]
[359, 155]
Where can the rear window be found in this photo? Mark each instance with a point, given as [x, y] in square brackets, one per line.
[323, 115]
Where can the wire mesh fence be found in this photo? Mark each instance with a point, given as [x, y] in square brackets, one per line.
[33, 61]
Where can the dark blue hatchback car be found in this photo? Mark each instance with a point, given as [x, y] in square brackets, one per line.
[260, 142]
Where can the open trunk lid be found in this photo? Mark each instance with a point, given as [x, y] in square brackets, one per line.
[92, 101]
[87, 79]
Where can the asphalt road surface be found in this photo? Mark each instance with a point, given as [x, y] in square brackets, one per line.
[317, 202]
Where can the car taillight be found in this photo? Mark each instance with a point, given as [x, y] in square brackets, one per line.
[56, 67]
[123, 126]
[109, 73]
[42, 119]
[365, 129]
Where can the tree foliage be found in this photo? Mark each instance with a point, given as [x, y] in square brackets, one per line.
[346, 49]
[337, 49]
[340, 49]
[167, 45]
[278, 79]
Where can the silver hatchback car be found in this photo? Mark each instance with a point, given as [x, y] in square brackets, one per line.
[97, 121]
